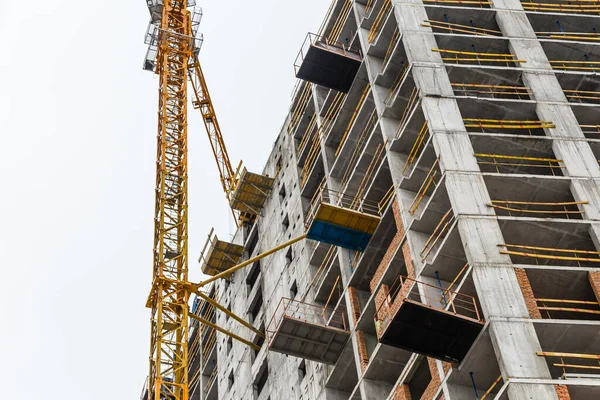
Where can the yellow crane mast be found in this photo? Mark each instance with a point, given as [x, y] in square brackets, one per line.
[173, 44]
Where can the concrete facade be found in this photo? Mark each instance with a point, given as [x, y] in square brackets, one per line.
[510, 216]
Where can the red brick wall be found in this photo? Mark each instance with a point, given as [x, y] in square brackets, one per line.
[354, 303]
[385, 261]
[594, 278]
[435, 383]
[563, 392]
[398, 218]
[402, 392]
[408, 260]
[532, 307]
[362, 350]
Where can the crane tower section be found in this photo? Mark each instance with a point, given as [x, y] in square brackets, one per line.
[172, 43]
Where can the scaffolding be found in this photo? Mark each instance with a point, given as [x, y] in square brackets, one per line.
[505, 161]
[492, 91]
[307, 331]
[413, 318]
[251, 192]
[218, 256]
[439, 233]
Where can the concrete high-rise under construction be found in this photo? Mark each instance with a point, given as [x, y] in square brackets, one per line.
[442, 158]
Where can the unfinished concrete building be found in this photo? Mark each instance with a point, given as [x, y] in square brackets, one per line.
[442, 157]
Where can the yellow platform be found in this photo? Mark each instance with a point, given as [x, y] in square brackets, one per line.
[347, 218]
[220, 255]
[251, 192]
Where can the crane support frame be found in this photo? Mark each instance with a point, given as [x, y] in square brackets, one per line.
[168, 375]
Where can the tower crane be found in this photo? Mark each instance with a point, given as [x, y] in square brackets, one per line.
[173, 46]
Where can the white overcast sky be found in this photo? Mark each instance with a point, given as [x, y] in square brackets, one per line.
[78, 135]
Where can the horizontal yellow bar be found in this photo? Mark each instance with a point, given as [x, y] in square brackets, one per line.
[516, 157]
[579, 310]
[568, 355]
[567, 301]
[549, 257]
[472, 53]
[520, 246]
[501, 126]
[537, 203]
[482, 59]
[480, 85]
[534, 211]
[576, 366]
[524, 121]
[225, 331]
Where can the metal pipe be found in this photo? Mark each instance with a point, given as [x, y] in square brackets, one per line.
[474, 387]
[225, 331]
[231, 314]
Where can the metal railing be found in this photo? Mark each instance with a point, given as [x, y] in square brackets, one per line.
[570, 7]
[301, 311]
[467, 29]
[549, 253]
[379, 22]
[491, 91]
[404, 288]
[468, 57]
[429, 180]
[342, 200]
[562, 305]
[315, 40]
[593, 359]
[461, 3]
[511, 207]
[500, 160]
[439, 233]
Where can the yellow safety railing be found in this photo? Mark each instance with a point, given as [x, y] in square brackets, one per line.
[460, 2]
[464, 268]
[211, 380]
[546, 253]
[565, 208]
[578, 356]
[579, 36]
[385, 200]
[361, 101]
[571, 7]
[471, 30]
[337, 286]
[582, 95]
[360, 145]
[487, 393]
[470, 56]
[327, 123]
[493, 91]
[310, 131]
[507, 161]
[300, 107]
[416, 149]
[390, 49]
[382, 16]
[369, 7]
[410, 107]
[369, 174]
[567, 306]
[430, 179]
[397, 83]
[570, 65]
[441, 231]
[595, 129]
[336, 30]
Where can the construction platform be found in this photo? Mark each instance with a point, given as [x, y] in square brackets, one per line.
[251, 192]
[445, 328]
[340, 220]
[218, 256]
[307, 331]
[327, 63]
